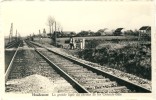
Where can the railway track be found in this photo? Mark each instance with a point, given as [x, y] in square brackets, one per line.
[85, 78]
[28, 72]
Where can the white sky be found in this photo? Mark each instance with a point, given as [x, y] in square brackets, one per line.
[29, 17]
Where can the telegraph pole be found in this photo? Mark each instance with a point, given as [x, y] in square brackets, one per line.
[11, 33]
[19, 36]
[55, 34]
[39, 36]
[16, 35]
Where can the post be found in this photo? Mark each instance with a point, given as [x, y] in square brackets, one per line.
[139, 38]
[52, 30]
[55, 35]
[16, 34]
[39, 36]
[83, 43]
[11, 33]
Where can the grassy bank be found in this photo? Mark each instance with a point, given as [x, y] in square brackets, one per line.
[131, 59]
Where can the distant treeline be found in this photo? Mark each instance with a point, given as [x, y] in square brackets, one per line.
[90, 34]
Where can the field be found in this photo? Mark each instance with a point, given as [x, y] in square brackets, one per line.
[102, 37]
[64, 41]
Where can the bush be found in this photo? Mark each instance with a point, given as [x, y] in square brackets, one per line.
[67, 41]
[92, 43]
[134, 60]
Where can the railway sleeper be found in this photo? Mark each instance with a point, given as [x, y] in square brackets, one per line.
[44, 64]
[113, 91]
[79, 71]
[84, 74]
[64, 62]
[50, 70]
[28, 74]
[17, 68]
[42, 61]
[46, 67]
[40, 48]
[95, 81]
[71, 68]
[109, 84]
[120, 91]
[60, 83]
[71, 65]
[90, 77]
[65, 65]
[83, 78]
[91, 87]
[48, 75]
[74, 67]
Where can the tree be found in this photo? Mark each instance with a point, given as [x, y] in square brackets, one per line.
[83, 33]
[50, 23]
[58, 25]
[72, 33]
[44, 32]
[39, 33]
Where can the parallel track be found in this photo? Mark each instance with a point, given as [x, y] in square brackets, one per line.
[86, 78]
[9, 68]
[10, 50]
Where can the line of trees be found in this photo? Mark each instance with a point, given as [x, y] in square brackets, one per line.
[56, 30]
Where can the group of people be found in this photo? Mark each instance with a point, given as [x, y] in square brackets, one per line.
[78, 43]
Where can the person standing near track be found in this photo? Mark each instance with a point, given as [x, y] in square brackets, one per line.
[72, 42]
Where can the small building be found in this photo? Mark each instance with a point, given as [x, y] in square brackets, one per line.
[145, 29]
[145, 33]
[118, 32]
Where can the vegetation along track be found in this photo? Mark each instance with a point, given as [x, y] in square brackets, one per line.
[86, 78]
[29, 72]
[12, 44]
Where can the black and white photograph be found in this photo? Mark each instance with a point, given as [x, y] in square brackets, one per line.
[77, 47]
